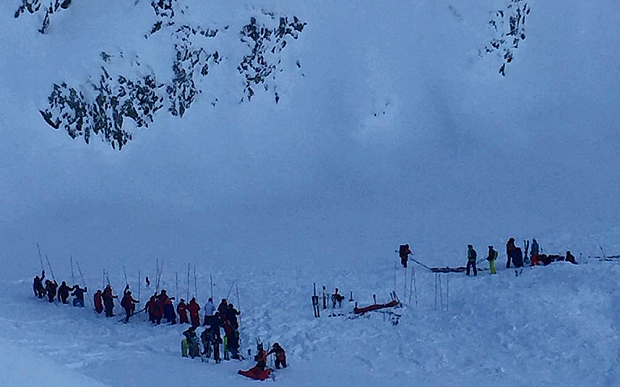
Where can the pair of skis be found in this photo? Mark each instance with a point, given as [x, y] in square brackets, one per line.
[315, 302]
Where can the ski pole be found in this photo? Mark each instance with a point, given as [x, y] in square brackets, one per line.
[72, 277]
[50, 265]
[40, 258]
[237, 291]
[230, 290]
[188, 281]
[211, 278]
[125, 273]
[421, 264]
[139, 283]
[195, 283]
[80, 271]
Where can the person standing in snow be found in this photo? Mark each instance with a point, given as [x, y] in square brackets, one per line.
[39, 289]
[194, 312]
[169, 314]
[491, 258]
[231, 316]
[50, 289]
[403, 253]
[471, 259]
[128, 303]
[510, 250]
[209, 309]
[63, 292]
[157, 310]
[78, 293]
[98, 301]
[108, 301]
[535, 251]
[223, 307]
[182, 311]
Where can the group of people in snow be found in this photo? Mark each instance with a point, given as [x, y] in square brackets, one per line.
[51, 289]
[160, 306]
[224, 317]
[515, 257]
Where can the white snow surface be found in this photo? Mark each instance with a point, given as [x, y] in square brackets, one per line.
[394, 130]
[551, 326]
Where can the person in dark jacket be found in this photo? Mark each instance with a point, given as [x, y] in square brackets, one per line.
[128, 303]
[471, 259]
[98, 301]
[403, 253]
[63, 292]
[571, 258]
[37, 286]
[108, 301]
[182, 311]
[222, 307]
[280, 355]
[50, 289]
[510, 248]
[169, 314]
[78, 293]
[231, 316]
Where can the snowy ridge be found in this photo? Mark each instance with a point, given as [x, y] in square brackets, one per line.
[554, 324]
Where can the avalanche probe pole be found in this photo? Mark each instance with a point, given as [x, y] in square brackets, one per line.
[195, 283]
[50, 265]
[139, 283]
[188, 281]
[72, 277]
[40, 258]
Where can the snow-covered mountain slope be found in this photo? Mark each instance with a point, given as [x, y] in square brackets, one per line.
[551, 326]
[395, 129]
[392, 125]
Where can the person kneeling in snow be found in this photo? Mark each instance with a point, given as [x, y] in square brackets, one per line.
[280, 355]
[260, 370]
[190, 343]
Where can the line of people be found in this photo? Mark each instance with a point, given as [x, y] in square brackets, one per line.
[515, 257]
[51, 289]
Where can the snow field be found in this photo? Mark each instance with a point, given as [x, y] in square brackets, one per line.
[557, 325]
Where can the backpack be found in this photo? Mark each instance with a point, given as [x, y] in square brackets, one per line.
[403, 250]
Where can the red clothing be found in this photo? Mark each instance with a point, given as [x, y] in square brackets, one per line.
[98, 302]
[194, 314]
[182, 311]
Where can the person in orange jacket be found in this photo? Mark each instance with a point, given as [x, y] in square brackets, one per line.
[182, 311]
[98, 301]
[280, 355]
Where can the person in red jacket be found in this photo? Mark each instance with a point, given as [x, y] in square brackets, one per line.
[157, 310]
[182, 311]
[194, 312]
[128, 303]
[98, 301]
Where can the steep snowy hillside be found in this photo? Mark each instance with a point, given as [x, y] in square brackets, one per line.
[397, 127]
